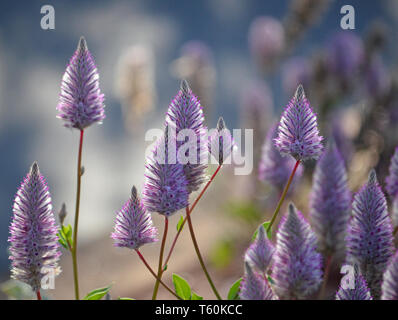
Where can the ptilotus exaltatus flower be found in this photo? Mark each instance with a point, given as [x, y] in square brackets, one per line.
[390, 280]
[298, 133]
[133, 224]
[254, 286]
[221, 143]
[369, 236]
[81, 102]
[185, 113]
[166, 186]
[33, 233]
[260, 252]
[358, 291]
[297, 266]
[330, 201]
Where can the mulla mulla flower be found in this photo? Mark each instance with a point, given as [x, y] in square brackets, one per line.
[369, 236]
[330, 201]
[33, 232]
[221, 144]
[254, 286]
[81, 102]
[298, 133]
[359, 290]
[297, 266]
[260, 252]
[166, 187]
[185, 114]
[392, 178]
[389, 287]
[133, 225]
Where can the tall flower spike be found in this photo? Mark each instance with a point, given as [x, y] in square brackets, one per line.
[298, 133]
[133, 224]
[297, 266]
[330, 201]
[275, 169]
[254, 286]
[185, 113]
[166, 187]
[360, 291]
[33, 232]
[369, 237]
[81, 102]
[392, 178]
[260, 252]
[390, 280]
[221, 143]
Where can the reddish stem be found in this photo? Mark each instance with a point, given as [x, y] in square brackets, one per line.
[159, 276]
[38, 295]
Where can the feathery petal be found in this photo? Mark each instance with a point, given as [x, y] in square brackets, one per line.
[390, 280]
[254, 286]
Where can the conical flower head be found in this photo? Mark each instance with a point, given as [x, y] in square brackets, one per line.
[392, 178]
[133, 224]
[390, 280]
[359, 291]
[369, 237]
[81, 102]
[260, 252]
[298, 133]
[255, 287]
[273, 168]
[34, 248]
[166, 187]
[330, 201]
[221, 143]
[297, 266]
[185, 115]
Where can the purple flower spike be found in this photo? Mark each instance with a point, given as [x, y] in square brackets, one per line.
[330, 201]
[390, 280]
[360, 291]
[221, 143]
[297, 266]
[274, 168]
[392, 178]
[369, 237]
[33, 232]
[255, 287]
[260, 252]
[133, 225]
[298, 133]
[166, 187]
[185, 115]
[81, 102]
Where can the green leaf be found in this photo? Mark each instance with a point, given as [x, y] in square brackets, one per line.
[222, 253]
[182, 287]
[165, 267]
[65, 236]
[120, 298]
[246, 211]
[180, 222]
[196, 297]
[233, 293]
[97, 294]
[265, 225]
[270, 280]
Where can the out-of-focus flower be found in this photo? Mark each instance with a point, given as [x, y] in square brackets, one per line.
[275, 169]
[133, 224]
[360, 290]
[330, 201]
[369, 236]
[394, 214]
[81, 102]
[298, 133]
[254, 286]
[135, 84]
[297, 266]
[390, 280]
[392, 178]
[62, 214]
[185, 115]
[377, 79]
[221, 143]
[295, 71]
[34, 248]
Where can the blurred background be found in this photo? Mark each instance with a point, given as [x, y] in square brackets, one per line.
[243, 58]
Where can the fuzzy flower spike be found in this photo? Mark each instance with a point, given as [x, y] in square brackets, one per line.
[133, 225]
[369, 237]
[359, 291]
[33, 232]
[297, 266]
[81, 102]
[390, 280]
[254, 286]
[298, 133]
[392, 187]
[221, 144]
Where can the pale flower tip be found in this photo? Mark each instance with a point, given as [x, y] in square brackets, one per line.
[82, 46]
[184, 86]
[34, 169]
[133, 192]
[220, 124]
[292, 209]
[261, 232]
[300, 94]
[62, 213]
[372, 177]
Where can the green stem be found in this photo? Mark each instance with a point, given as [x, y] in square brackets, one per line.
[75, 229]
[195, 243]
[284, 193]
[159, 276]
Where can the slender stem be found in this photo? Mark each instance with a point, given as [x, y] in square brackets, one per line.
[284, 193]
[325, 276]
[154, 274]
[395, 230]
[195, 243]
[38, 295]
[190, 210]
[75, 229]
[159, 277]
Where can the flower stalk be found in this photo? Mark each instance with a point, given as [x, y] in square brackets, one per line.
[159, 275]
